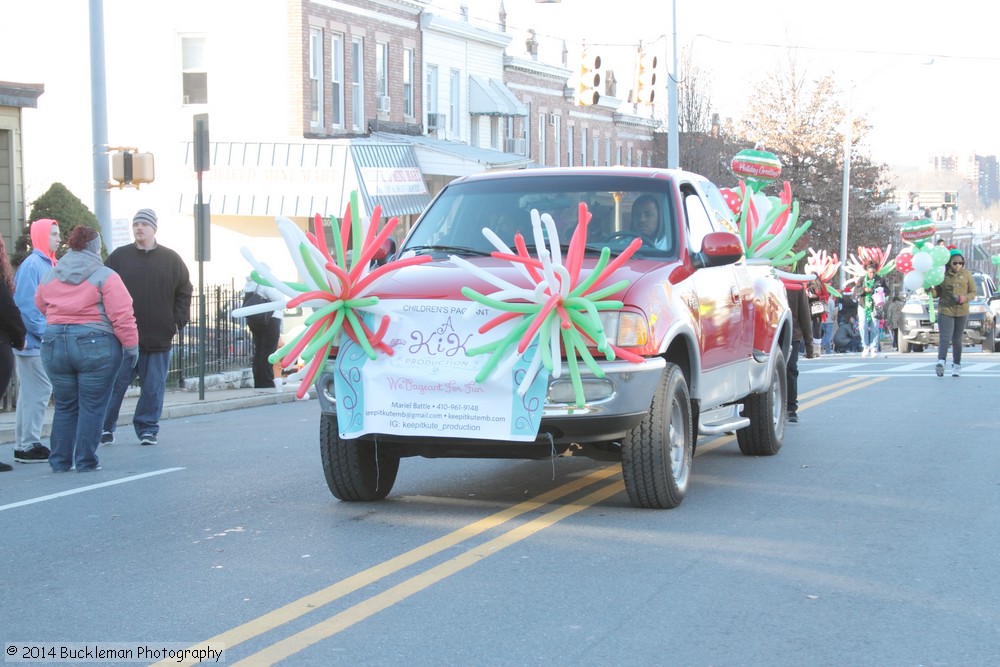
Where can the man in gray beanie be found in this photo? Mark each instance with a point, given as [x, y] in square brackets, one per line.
[160, 286]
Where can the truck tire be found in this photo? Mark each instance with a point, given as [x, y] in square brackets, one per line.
[657, 454]
[766, 411]
[355, 470]
[904, 345]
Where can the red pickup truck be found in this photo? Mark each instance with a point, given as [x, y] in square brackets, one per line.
[702, 338]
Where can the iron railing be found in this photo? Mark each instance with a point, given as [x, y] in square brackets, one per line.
[227, 341]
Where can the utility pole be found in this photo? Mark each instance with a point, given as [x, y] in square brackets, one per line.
[99, 120]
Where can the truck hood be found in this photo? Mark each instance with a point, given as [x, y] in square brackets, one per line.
[441, 279]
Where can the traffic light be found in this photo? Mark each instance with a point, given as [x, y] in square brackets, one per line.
[588, 80]
[645, 78]
[130, 168]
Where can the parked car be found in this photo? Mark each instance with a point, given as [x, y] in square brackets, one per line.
[710, 331]
[916, 331]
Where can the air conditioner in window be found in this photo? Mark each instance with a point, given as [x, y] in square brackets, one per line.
[552, 119]
[382, 103]
[515, 146]
[436, 121]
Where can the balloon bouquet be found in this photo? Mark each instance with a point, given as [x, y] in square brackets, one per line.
[855, 267]
[769, 226]
[922, 263]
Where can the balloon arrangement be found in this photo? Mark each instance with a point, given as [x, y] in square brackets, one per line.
[768, 225]
[855, 268]
[338, 288]
[921, 263]
[824, 266]
[561, 307]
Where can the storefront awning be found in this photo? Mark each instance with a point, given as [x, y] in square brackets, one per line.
[440, 157]
[490, 97]
[390, 177]
[297, 179]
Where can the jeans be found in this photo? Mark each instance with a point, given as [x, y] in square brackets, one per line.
[951, 330]
[869, 334]
[152, 371]
[33, 394]
[82, 363]
[827, 343]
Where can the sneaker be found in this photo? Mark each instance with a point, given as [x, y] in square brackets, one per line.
[38, 453]
[91, 469]
[956, 370]
[108, 438]
[5, 467]
[793, 418]
[939, 368]
[147, 439]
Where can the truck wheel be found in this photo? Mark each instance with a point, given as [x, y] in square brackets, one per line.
[355, 470]
[656, 454]
[766, 412]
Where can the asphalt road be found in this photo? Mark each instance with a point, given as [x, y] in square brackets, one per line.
[870, 539]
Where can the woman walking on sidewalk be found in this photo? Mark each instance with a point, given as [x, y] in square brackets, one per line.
[89, 320]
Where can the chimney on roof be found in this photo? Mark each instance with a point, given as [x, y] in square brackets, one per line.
[532, 44]
[503, 17]
[464, 11]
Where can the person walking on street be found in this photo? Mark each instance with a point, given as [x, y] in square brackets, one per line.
[265, 336]
[894, 317]
[798, 303]
[90, 327]
[868, 318]
[954, 294]
[34, 388]
[12, 329]
[160, 286]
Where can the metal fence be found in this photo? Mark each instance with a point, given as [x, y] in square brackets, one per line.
[227, 341]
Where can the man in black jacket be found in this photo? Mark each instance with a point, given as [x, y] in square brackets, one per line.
[160, 286]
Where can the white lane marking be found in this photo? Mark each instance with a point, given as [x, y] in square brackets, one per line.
[834, 368]
[61, 494]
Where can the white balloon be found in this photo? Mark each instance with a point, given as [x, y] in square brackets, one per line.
[922, 262]
[913, 280]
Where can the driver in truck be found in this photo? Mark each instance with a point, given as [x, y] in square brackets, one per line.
[647, 221]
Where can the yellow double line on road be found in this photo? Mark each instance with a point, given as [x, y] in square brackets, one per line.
[365, 609]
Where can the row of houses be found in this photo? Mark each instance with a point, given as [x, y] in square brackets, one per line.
[309, 100]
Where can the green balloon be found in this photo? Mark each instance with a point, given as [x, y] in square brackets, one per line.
[940, 255]
[934, 276]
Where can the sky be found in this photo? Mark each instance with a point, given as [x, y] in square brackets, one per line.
[925, 74]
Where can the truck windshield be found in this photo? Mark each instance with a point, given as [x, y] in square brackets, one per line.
[622, 209]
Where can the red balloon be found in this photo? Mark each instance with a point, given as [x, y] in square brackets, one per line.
[904, 262]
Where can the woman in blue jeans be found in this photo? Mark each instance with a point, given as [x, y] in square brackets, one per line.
[89, 329]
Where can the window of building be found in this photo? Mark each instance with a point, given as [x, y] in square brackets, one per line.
[597, 150]
[569, 145]
[629, 163]
[557, 138]
[382, 69]
[357, 83]
[607, 152]
[454, 102]
[194, 71]
[542, 124]
[583, 146]
[619, 155]
[431, 98]
[495, 133]
[337, 80]
[408, 83]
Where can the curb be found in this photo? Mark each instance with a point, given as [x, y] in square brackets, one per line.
[181, 410]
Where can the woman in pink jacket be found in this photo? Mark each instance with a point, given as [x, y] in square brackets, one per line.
[89, 329]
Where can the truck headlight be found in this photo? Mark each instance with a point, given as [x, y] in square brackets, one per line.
[625, 329]
[977, 308]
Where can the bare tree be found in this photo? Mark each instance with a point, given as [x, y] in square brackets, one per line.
[801, 121]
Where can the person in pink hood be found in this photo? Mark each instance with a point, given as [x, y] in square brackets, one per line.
[90, 329]
[34, 388]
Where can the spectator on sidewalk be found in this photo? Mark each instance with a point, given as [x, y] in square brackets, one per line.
[90, 326]
[265, 336]
[160, 286]
[12, 329]
[34, 388]
[798, 303]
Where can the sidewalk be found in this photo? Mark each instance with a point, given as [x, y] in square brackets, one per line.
[176, 404]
